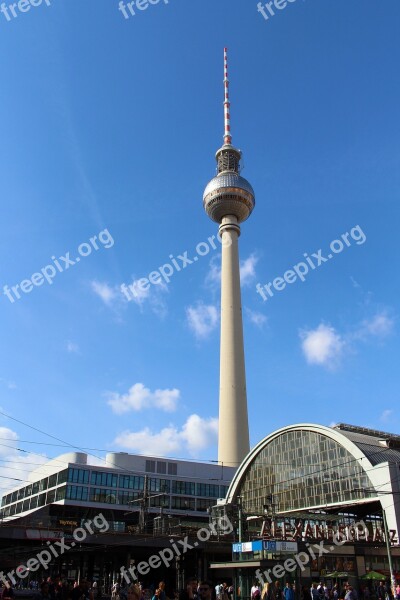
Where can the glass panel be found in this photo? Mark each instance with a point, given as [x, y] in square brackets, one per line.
[301, 471]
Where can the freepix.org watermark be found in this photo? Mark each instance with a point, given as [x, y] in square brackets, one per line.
[164, 273]
[12, 10]
[358, 531]
[267, 9]
[178, 548]
[312, 262]
[60, 264]
[43, 558]
[129, 9]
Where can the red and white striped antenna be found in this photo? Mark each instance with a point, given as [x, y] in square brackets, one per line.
[227, 104]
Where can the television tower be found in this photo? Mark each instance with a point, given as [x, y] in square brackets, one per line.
[229, 200]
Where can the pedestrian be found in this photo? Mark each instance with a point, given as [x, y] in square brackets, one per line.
[7, 592]
[255, 592]
[277, 591]
[218, 591]
[190, 591]
[381, 592]
[205, 590]
[350, 593]
[288, 591]
[314, 592]
[267, 591]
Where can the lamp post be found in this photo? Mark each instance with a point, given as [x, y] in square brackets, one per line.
[386, 529]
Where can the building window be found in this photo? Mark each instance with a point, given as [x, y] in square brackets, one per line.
[34, 502]
[52, 480]
[127, 497]
[161, 468]
[77, 492]
[104, 479]
[43, 484]
[172, 468]
[35, 487]
[182, 503]
[63, 476]
[158, 485]
[183, 487]
[51, 496]
[103, 495]
[207, 489]
[202, 504]
[150, 466]
[25, 505]
[61, 493]
[223, 490]
[160, 501]
[78, 475]
[21, 493]
[130, 482]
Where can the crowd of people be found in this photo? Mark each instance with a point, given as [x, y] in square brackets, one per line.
[58, 589]
[320, 591]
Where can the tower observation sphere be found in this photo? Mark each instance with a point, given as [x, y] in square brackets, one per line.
[229, 200]
[228, 194]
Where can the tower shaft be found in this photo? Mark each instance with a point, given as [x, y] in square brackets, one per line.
[233, 435]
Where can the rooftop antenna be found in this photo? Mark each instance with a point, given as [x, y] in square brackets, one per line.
[227, 104]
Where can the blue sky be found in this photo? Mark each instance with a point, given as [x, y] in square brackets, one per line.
[110, 125]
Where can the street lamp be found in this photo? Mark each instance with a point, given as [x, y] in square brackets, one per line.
[387, 537]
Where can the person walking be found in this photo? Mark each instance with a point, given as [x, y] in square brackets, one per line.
[288, 591]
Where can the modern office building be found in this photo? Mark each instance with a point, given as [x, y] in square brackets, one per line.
[68, 484]
[143, 499]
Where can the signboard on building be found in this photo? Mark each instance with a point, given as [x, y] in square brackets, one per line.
[269, 546]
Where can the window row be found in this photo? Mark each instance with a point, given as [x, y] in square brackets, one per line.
[83, 493]
[113, 480]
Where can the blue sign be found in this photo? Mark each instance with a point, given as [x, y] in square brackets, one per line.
[270, 546]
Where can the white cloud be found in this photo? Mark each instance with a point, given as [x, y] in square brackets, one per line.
[199, 433]
[380, 325]
[15, 466]
[354, 282]
[322, 346]
[196, 434]
[202, 319]
[248, 269]
[9, 384]
[256, 318]
[72, 347]
[140, 397]
[151, 295]
[104, 291]
[386, 415]
[146, 442]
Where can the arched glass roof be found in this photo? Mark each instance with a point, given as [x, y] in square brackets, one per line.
[302, 467]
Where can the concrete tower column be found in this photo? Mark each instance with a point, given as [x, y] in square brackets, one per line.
[233, 435]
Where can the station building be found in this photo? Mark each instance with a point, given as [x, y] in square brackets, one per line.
[304, 484]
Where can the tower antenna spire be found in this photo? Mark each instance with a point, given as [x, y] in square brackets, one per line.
[227, 104]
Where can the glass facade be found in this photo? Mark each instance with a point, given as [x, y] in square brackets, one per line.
[301, 469]
[183, 487]
[86, 485]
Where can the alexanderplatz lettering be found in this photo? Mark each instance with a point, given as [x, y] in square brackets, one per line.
[284, 530]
